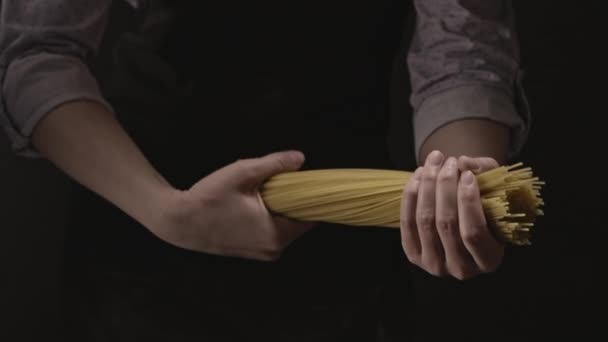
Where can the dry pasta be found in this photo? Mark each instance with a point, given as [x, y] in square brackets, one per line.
[510, 197]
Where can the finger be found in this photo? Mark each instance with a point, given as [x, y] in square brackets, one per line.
[486, 164]
[288, 230]
[477, 165]
[244, 253]
[252, 172]
[280, 232]
[458, 261]
[481, 244]
[432, 256]
[409, 231]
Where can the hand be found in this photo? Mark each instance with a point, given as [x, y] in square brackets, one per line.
[224, 214]
[443, 226]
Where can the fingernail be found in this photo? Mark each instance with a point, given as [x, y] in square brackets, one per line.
[435, 158]
[297, 157]
[451, 162]
[467, 178]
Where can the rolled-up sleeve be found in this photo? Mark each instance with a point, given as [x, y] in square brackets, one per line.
[45, 47]
[464, 64]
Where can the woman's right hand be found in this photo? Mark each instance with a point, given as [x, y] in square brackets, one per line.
[224, 214]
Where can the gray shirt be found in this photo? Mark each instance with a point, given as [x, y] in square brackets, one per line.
[463, 63]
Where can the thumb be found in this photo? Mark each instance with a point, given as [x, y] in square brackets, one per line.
[476, 165]
[257, 170]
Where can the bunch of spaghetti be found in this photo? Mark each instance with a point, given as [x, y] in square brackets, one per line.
[510, 196]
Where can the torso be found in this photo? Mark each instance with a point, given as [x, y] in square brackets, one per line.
[230, 82]
[262, 76]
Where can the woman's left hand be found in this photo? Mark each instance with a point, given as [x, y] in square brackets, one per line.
[443, 226]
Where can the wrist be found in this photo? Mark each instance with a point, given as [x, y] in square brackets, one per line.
[472, 138]
[161, 209]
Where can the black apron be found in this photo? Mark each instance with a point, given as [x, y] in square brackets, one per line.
[221, 82]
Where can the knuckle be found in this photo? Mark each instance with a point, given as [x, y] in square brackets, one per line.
[463, 275]
[434, 267]
[414, 259]
[409, 226]
[444, 226]
[460, 276]
[490, 267]
[435, 271]
[446, 176]
[462, 163]
[426, 219]
[473, 236]
[461, 272]
[429, 176]
[447, 223]
[411, 257]
[410, 191]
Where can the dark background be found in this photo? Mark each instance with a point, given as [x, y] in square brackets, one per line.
[542, 291]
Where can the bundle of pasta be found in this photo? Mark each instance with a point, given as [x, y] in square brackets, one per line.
[510, 197]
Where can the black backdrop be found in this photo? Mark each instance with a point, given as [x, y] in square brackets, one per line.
[542, 291]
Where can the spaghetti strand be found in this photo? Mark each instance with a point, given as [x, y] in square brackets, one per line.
[510, 197]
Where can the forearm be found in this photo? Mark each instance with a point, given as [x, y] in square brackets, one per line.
[85, 140]
[470, 137]
[465, 73]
